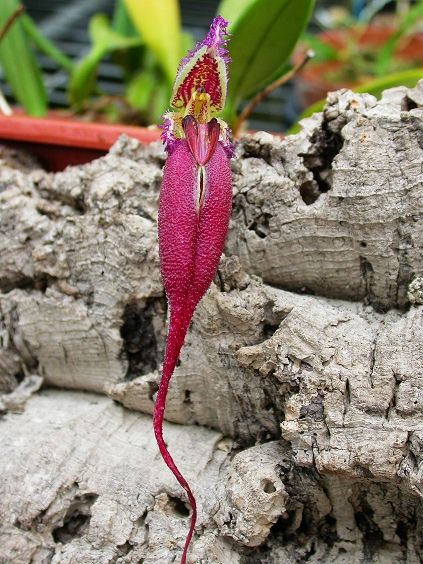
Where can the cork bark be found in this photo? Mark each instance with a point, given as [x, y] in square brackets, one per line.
[296, 410]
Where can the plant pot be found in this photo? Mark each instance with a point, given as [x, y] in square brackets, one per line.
[59, 141]
[318, 78]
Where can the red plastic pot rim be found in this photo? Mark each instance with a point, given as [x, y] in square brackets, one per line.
[70, 133]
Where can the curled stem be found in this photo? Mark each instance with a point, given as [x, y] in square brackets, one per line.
[10, 20]
[176, 336]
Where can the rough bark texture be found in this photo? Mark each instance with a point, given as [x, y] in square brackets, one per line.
[300, 392]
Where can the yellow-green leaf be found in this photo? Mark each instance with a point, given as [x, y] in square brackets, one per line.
[140, 90]
[104, 40]
[19, 64]
[158, 22]
[232, 10]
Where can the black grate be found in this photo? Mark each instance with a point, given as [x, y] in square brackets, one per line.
[65, 22]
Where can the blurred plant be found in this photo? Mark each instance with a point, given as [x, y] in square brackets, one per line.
[385, 60]
[145, 39]
[104, 41]
[264, 34]
[362, 54]
[364, 57]
[357, 11]
[4, 106]
[17, 59]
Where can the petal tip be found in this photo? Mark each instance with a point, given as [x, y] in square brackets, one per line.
[218, 37]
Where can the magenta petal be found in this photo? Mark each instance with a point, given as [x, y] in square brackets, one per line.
[178, 220]
[213, 132]
[190, 126]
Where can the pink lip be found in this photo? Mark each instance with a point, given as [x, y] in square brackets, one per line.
[202, 138]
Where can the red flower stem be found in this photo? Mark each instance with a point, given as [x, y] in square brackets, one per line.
[175, 340]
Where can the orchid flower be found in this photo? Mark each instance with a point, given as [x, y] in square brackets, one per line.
[195, 205]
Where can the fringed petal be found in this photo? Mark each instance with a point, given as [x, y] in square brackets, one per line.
[204, 69]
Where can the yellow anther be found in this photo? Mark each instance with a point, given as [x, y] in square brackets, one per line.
[199, 106]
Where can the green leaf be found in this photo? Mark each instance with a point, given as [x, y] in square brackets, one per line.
[19, 64]
[44, 44]
[105, 40]
[83, 79]
[158, 22]
[105, 37]
[263, 36]
[187, 43]
[121, 21]
[160, 102]
[408, 78]
[140, 90]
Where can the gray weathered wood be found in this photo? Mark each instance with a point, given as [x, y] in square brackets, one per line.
[304, 360]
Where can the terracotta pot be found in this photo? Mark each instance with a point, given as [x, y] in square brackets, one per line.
[61, 141]
[317, 79]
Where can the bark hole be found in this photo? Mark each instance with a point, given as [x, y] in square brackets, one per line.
[178, 507]
[327, 531]
[325, 145]
[125, 548]
[268, 486]
[260, 225]
[309, 192]
[187, 398]
[21, 282]
[408, 104]
[140, 522]
[373, 539]
[153, 388]
[367, 272]
[314, 410]
[269, 330]
[76, 520]
[143, 333]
